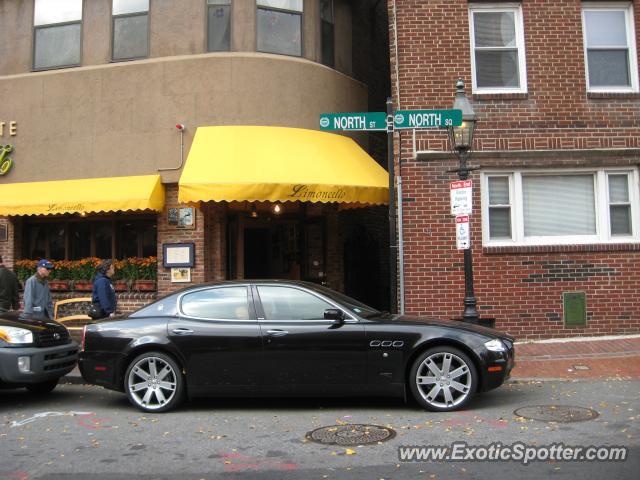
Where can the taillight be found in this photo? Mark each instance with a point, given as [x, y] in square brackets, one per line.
[84, 333]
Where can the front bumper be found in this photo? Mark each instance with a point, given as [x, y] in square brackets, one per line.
[47, 363]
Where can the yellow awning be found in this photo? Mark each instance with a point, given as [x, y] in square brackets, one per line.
[243, 163]
[82, 196]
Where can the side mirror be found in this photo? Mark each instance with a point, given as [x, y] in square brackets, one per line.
[334, 314]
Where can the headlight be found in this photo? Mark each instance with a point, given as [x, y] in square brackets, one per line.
[16, 335]
[495, 345]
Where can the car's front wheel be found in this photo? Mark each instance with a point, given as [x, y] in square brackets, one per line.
[443, 379]
[154, 382]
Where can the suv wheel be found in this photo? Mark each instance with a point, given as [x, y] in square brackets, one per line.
[443, 379]
[154, 382]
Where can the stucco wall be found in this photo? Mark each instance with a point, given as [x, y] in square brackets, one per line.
[119, 119]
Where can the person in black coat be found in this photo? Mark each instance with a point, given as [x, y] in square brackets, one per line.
[103, 292]
[9, 288]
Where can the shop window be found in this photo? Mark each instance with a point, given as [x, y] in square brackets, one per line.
[284, 303]
[57, 33]
[279, 26]
[497, 42]
[227, 303]
[547, 208]
[130, 29]
[73, 240]
[218, 25]
[328, 32]
[609, 43]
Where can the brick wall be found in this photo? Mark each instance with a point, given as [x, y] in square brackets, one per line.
[520, 286]
[171, 234]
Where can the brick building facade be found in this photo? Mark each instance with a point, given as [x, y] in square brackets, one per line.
[554, 85]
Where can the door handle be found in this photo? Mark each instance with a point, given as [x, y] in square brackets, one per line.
[182, 331]
[277, 333]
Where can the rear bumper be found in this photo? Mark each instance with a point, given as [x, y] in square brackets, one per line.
[102, 368]
[47, 363]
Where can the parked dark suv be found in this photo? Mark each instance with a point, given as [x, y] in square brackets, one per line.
[34, 353]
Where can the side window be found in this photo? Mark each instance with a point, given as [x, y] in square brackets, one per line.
[218, 25]
[130, 29]
[57, 31]
[284, 303]
[223, 303]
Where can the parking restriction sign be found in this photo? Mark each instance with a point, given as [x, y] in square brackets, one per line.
[461, 197]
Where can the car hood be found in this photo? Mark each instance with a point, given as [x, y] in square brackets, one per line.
[455, 324]
[29, 322]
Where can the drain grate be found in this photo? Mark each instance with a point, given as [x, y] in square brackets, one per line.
[356, 434]
[557, 413]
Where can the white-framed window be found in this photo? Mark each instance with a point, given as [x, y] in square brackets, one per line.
[130, 29]
[218, 25]
[560, 207]
[279, 26]
[609, 47]
[497, 48]
[57, 33]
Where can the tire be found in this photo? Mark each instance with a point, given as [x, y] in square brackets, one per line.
[43, 388]
[438, 391]
[154, 382]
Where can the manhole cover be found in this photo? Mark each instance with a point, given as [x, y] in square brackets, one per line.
[557, 413]
[356, 434]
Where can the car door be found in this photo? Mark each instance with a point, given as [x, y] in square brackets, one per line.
[218, 334]
[301, 348]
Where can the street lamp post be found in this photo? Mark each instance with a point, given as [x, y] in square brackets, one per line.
[461, 141]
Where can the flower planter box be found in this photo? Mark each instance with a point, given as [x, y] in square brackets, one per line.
[120, 286]
[144, 286]
[83, 286]
[58, 285]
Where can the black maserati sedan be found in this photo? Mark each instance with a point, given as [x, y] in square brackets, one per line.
[280, 338]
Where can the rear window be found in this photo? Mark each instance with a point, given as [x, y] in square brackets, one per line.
[165, 307]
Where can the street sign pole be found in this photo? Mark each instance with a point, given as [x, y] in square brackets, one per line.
[393, 252]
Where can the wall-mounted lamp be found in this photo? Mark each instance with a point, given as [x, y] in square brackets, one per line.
[254, 213]
[277, 209]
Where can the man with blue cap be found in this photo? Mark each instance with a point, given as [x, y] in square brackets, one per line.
[37, 296]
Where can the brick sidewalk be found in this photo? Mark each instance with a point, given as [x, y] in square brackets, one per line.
[610, 358]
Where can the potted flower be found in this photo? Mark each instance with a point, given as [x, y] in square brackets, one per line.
[83, 273]
[119, 279]
[24, 269]
[60, 275]
[145, 272]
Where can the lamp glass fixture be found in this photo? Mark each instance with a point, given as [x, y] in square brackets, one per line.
[461, 137]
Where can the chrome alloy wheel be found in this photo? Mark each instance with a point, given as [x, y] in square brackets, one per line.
[152, 382]
[444, 380]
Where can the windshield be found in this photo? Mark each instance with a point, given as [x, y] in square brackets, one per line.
[352, 304]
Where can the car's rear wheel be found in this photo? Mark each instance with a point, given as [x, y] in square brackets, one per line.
[154, 382]
[443, 379]
[42, 387]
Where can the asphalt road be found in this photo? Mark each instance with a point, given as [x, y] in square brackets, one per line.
[92, 433]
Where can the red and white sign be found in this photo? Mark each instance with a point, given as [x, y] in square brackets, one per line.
[463, 241]
[461, 197]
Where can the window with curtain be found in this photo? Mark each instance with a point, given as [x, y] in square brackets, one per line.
[218, 25]
[57, 33]
[543, 208]
[279, 26]
[609, 43]
[328, 35]
[130, 29]
[497, 41]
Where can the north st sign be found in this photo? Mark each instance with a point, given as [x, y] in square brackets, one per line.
[369, 121]
[413, 119]
[403, 119]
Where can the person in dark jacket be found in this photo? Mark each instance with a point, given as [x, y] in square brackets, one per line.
[37, 296]
[103, 291]
[9, 288]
